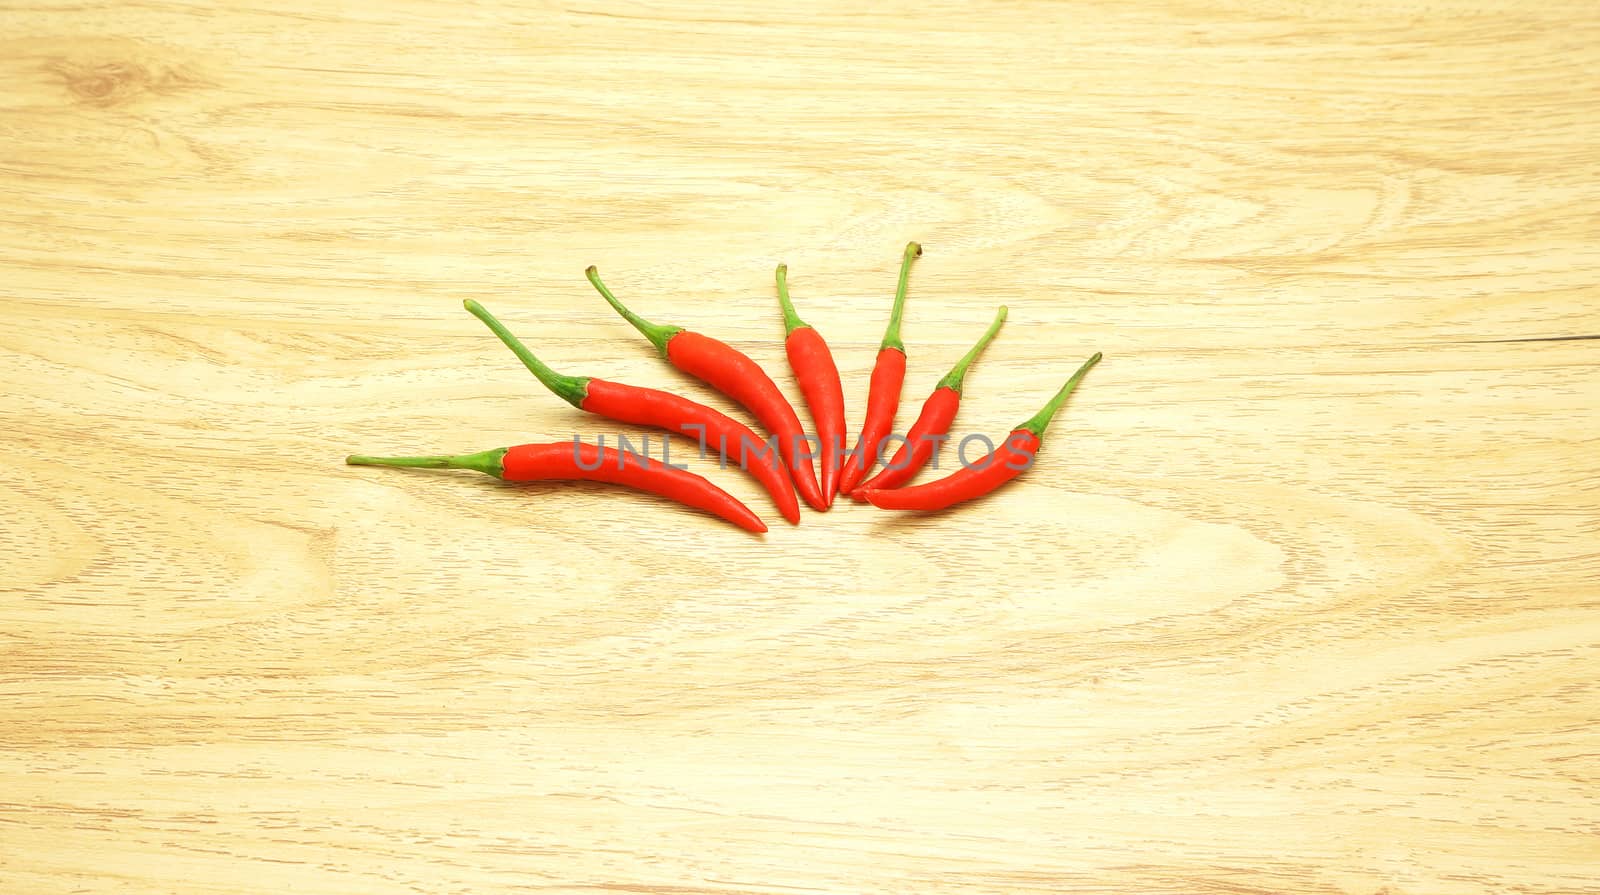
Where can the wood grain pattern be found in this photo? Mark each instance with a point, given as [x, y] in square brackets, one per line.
[1301, 597]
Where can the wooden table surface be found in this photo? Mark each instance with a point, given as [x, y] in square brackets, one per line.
[1301, 595]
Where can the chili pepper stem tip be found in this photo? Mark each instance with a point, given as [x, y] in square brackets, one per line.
[572, 389]
[658, 334]
[487, 462]
[791, 320]
[1040, 420]
[958, 373]
[891, 334]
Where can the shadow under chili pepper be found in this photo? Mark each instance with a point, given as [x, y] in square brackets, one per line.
[894, 520]
[642, 500]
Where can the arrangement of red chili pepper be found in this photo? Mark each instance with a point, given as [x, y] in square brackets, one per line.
[731, 372]
[568, 460]
[813, 367]
[983, 476]
[736, 375]
[662, 410]
[883, 394]
[938, 412]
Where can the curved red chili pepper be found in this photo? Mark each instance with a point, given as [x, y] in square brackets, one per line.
[883, 394]
[720, 432]
[732, 372]
[576, 461]
[938, 412]
[883, 400]
[818, 376]
[983, 476]
[662, 410]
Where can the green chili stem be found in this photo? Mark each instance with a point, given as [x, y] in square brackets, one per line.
[1042, 418]
[791, 320]
[657, 333]
[891, 335]
[572, 389]
[952, 380]
[488, 462]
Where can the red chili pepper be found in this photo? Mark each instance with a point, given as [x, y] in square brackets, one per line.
[573, 460]
[938, 412]
[663, 410]
[985, 475]
[883, 395]
[732, 372]
[818, 376]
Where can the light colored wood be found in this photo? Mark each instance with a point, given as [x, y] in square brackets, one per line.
[1301, 596]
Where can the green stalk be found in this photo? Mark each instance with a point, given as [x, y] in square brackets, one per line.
[891, 335]
[572, 389]
[1042, 418]
[487, 462]
[658, 334]
[791, 320]
[952, 380]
